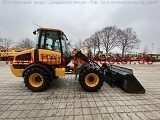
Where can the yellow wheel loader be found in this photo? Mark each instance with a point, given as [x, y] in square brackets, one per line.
[6, 55]
[50, 58]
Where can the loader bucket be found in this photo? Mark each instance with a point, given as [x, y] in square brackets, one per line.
[124, 78]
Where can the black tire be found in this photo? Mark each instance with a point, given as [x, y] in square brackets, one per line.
[56, 77]
[92, 76]
[80, 75]
[30, 79]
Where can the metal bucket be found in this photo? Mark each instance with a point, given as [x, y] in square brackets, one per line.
[124, 78]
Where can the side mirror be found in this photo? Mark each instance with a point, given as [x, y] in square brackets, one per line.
[34, 32]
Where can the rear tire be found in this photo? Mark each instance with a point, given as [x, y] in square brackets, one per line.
[56, 77]
[36, 79]
[91, 79]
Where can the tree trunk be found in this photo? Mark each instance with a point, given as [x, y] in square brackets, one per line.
[106, 52]
[99, 49]
[94, 52]
[123, 51]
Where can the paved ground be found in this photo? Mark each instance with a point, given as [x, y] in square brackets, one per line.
[66, 100]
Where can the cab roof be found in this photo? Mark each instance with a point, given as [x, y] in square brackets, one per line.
[51, 29]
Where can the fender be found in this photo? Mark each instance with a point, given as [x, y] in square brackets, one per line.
[48, 69]
[82, 67]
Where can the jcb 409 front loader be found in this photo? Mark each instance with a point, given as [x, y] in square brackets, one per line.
[49, 60]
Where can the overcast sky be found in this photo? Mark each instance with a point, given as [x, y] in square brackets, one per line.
[79, 21]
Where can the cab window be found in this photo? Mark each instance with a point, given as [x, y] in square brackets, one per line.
[50, 41]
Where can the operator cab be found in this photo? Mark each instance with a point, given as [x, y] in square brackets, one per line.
[52, 39]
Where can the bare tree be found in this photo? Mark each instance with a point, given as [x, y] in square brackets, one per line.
[128, 40]
[108, 38]
[6, 43]
[94, 45]
[96, 41]
[26, 43]
[78, 44]
[1, 48]
[70, 45]
[145, 50]
[88, 43]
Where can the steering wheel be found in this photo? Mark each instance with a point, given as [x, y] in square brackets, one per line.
[57, 48]
[48, 45]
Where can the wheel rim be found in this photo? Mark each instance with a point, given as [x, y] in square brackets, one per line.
[36, 80]
[91, 80]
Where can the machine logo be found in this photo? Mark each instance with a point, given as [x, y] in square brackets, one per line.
[51, 57]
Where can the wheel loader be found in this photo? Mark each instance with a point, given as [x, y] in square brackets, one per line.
[48, 61]
[6, 54]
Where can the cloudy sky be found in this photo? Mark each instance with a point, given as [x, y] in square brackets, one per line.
[79, 21]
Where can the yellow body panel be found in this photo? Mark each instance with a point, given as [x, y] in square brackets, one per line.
[77, 60]
[133, 58]
[3, 54]
[11, 49]
[46, 56]
[6, 54]
[158, 58]
[24, 52]
[19, 72]
[60, 71]
[49, 57]
[16, 72]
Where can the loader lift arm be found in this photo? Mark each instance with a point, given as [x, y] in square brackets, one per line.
[112, 74]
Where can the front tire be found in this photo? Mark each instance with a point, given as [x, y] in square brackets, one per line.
[91, 79]
[56, 77]
[36, 79]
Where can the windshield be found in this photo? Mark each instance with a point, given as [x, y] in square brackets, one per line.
[64, 44]
[37, 38]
